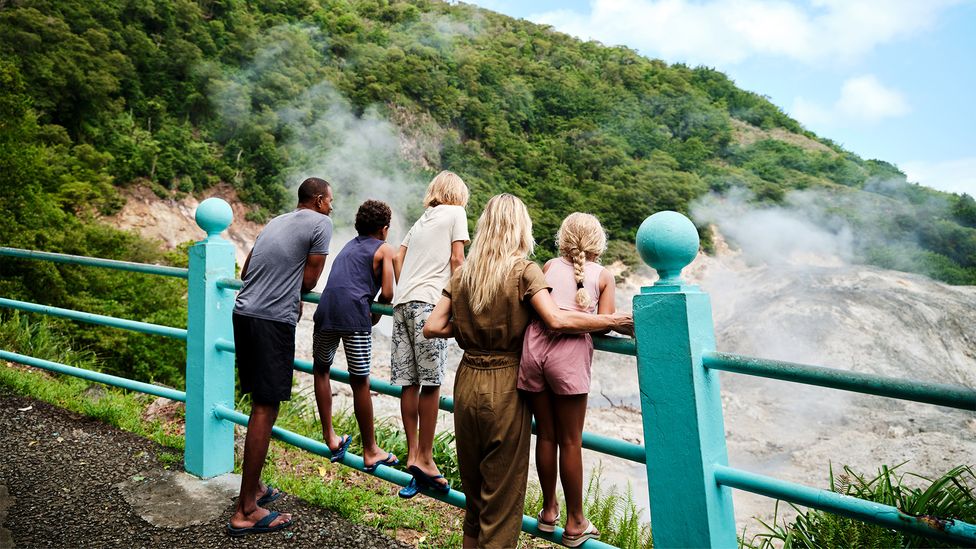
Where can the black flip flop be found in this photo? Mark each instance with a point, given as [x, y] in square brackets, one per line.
[390, 460]
[340, 452]
[269, 496]
[426, 481]
[262, 526]
[410, 490]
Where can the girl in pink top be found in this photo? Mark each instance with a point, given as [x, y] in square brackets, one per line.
[555, 372]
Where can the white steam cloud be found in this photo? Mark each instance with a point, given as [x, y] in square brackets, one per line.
[285, 91]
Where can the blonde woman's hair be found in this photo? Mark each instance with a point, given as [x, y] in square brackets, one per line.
[581, 238]
[446, 188]
[503, 235]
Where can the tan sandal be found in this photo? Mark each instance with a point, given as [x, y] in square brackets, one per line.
[544, 526]
[575, 541]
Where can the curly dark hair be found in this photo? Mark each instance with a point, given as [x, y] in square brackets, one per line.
[372, 216]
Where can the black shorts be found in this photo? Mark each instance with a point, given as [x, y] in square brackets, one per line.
[265, 352]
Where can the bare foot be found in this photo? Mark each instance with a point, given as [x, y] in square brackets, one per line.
[377, 455]
[334, 441]
[241, 520]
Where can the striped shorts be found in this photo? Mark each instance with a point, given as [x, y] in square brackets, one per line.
[358, 347]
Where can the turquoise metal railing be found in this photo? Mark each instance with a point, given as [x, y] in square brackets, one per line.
[91, 318]
[161, 270]
[115, 381]
[689, 479]
[871, 384]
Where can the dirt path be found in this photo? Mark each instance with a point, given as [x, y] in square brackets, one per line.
[70, 481]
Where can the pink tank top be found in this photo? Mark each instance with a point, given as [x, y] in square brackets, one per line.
[562, 278]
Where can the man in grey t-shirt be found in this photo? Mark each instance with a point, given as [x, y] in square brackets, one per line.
[286, 261]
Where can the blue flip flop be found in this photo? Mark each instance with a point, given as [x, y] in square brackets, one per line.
[426, 481]
[390, 460]
[262, 526]
[340, 452]
[410, 490]
[269, 496]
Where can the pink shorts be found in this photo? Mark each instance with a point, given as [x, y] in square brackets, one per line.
[560, 362]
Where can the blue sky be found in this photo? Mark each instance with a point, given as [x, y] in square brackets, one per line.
[887, 79]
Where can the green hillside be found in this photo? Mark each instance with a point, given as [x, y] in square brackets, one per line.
[184, 94]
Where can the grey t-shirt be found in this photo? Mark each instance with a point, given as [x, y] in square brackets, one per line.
[273, 282]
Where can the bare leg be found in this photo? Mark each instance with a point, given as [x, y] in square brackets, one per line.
[571, 411]
[545, 451]
[323, 399]
[409, 412]
[256, 444]
[362, 404]
[427, 409]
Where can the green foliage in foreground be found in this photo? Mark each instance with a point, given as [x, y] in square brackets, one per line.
[951, 496]
[116, 407]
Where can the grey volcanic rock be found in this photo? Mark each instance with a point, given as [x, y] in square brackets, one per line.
[853, 318]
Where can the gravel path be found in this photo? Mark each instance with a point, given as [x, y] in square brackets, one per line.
[59, 487]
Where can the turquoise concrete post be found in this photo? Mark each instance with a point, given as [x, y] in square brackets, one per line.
[209, 372]
[684, 434]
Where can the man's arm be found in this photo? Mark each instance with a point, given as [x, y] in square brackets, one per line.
[246, 263]
[314, 264]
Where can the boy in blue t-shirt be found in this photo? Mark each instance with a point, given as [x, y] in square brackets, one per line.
[363, 268]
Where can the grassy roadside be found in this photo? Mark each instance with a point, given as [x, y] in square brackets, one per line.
[423, 522]
[361, 498]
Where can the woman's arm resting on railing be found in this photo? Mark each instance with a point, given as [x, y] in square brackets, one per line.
[439, 322]
[573, 322]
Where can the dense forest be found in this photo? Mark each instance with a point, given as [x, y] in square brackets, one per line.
[184, 94]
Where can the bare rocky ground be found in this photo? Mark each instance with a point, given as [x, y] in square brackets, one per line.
[71, 481]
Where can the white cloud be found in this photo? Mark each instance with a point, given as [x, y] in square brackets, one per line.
[719, 32]
[862, 99]
[954, 176]
[866, 98]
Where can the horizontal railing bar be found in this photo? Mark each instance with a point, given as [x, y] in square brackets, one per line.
[591, 441]
[146, 268]
[92, 318]
[389, 474]
[99, 377]
[940, 394]
[848, 506]
[619, 345]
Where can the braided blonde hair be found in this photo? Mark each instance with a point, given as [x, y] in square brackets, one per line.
[581, 238]
[502, 236]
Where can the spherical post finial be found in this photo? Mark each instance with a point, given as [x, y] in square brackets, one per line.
[213, 216]
[668, 242]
